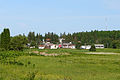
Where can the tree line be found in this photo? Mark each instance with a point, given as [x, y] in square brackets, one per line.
[111, 39]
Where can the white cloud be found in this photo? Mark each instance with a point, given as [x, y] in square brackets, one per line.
[112, 4]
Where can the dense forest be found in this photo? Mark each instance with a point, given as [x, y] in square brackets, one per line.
[111, 39]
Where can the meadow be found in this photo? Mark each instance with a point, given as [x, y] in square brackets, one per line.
[27, 65]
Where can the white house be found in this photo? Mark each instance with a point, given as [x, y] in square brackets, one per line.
[32, 47]
[65, 45]
[72, 46]
[49, 45]
[86, 47]
[41, 46]
[54, 46]
[68, 45]
[99, 46]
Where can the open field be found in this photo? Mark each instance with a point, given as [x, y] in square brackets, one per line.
[27, 65]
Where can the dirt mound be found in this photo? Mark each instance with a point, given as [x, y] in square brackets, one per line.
[48, 54]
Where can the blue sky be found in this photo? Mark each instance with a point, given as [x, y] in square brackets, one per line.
[41, 16]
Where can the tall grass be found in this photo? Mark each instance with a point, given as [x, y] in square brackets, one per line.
[77, 66]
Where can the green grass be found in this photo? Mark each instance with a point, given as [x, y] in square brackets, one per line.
[77, 66]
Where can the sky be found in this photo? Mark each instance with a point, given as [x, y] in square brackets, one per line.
[58, 16]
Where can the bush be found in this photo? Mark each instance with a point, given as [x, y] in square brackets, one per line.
[92, 48]
[31, 76]
[116, 44]
[2, 49]
[29, 62]
[78, 45]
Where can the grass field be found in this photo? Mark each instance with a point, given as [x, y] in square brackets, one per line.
[25, 65]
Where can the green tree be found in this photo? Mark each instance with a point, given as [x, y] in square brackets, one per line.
[78, 45]
[116, 44]
[38, 39]
[54, 38]
[31, 37]
[18, 42]
[33, 43]
[0, 40]
[92, 48]
[5, 39]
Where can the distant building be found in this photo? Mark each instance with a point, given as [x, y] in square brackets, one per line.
[68, 45]
[65, 45]
[32, 47]
[41, 47]
[71, 46]
[54, 46]
[51, 46]
[86, 47]
[99, 46]
[48, 40]
[47, 45]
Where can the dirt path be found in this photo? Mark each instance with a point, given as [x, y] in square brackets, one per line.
[46, 54]
[100, 53]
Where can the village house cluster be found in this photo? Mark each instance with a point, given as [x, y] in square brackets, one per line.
[48, 45]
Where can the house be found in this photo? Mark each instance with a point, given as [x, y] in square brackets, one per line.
[99, 46]
[41, 47]
[32, 47]
[49, 45]
[48, 40]
[86, 47]
[71, 46]
[54, 46]
[65, 45]
[68, 45]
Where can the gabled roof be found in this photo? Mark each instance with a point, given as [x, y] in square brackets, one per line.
[41, 45]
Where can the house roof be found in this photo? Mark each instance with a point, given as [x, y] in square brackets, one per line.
[41, 45]
[48, 39]
[69, 44]
[66, 43]
[99, 44]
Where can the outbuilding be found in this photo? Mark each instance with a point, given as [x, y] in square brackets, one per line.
[41, 47]
[86, 47]
[99, 46]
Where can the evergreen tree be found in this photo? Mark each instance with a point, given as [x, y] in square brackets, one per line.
[2, 40]
[37, 39]
[78, 45]
[31, 37]
[5, 39]
[92, 48]
[116, 44]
